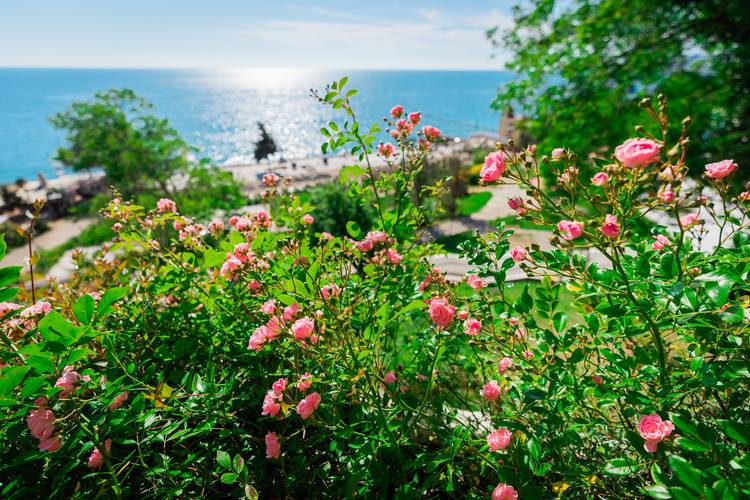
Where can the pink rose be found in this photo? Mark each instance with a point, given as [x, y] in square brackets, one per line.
[273, 448]
[279, 386]
[653, 429]
[597, 379]
[290, 311]
[463, 314]
[430, 132]
[600, 179]
[166, 205]
[397, 111]
[504, 492]
[68, 380]
[720, 169]
[119, 400]
[307, 219]
[303, 328]
[305, 382]
[385, 149]
[475, 281]
[518, 254]
[472, 326]
[570, 230]
[270, 407]
[493, 168]
[307, 406]
[490, 391]
[558, 153]
[516, 203]
[637, 152]
[504, 364]
[41, 422]
[96, 459]
[330, 290]
[390, 377]
[665, 194]
[499, 439]
[610, 228]
[393, 256]
[268, 306]
[660, 242]
[689, 220]
[441, 311]
[414, 117]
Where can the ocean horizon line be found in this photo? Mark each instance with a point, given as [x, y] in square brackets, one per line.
[242, 68]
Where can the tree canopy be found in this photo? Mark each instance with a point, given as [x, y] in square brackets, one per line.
[115, 131]
[582, 64]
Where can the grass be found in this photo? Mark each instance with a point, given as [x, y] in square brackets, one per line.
[472, 203]
[511, 220]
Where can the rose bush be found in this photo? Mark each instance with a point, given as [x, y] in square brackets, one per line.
[255, 356]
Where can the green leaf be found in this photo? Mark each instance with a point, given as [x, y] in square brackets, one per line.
[560, 321]
[83, 309]
[657, 491]
[620, 467]
[734, 431]
[228, 477]
[684, 425]
[110, 297]
[350, 172]
[686, 473]
[688, 444]
[9, 275]
[54, 327]
[3, 246]
[11, 376]
[223, 459]
[213, 258]
[7, 294]
[353, 229]
[414, 304]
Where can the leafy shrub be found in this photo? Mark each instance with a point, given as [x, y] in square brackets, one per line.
[249, 361]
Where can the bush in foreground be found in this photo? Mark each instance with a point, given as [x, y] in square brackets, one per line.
[254, 356]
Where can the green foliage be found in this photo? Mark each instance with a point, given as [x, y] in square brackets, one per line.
[334, 208]
[584, 64]
[472, 203]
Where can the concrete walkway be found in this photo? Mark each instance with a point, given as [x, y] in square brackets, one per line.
[60, 231]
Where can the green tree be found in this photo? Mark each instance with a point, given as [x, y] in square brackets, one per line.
[115, 131]
[583, 63]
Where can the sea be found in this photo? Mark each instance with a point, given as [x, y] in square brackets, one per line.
[218, 111]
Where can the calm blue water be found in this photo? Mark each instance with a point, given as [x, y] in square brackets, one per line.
[217, 111]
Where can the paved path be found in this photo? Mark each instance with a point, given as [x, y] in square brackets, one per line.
[60, 231]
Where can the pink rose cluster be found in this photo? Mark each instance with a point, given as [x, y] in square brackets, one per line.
[570, 230]
[380, 242]
[240, 258]
[386, 149]
[637, 152]
[308, 405]
[41, 423]
[653, 430]
[165, 205]
[271, 330]
[405, 126]
[475, 282]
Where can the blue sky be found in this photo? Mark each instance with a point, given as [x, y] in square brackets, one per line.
[250, 33]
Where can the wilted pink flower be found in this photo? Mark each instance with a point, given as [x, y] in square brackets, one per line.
[472, 326]
[665, 194]
[290, 311]
[653, 429]
[430, 132]
[166, 205]
[393, 256]
[41, 307]
[518, 254]
[254, 285]
[305, 381]
[273, 448]
[504, 492]
[303, 328]
[268, 306]
[270, 179]
[307, 219]
[493, 167]
[689, 220]
[513, 321]
[516, 203]
[558, 153]
[504, 364]
[600, 179]
[7, 307]
[330, 290]
[610, 228]
[258, 338]
[51, 443]
[397, 111]
[326, 235]
[490, 391]
[570, 230]
[119, 400]
[307, 406]
[441, 311]
[270, 406]
[116, 227]
[385, 149]
[475, 281]
[463, 314]
[41, 422]
[499, 439]
[637, 152]
[660, 242]
[96, 459]
[720, 169]
[390, 377]
[279, 386]
[68, 380]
